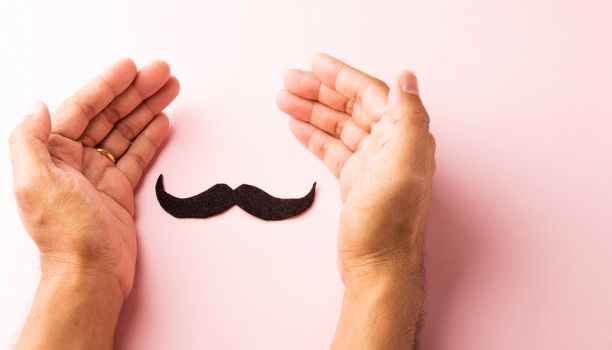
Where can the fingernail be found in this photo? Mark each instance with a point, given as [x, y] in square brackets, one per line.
[408, 84]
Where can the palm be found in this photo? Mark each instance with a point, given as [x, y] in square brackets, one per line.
[106, 196]
[120, 111]
[91, 173]
[372, 151]
[342, 115]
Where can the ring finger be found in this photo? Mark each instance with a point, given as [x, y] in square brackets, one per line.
[333, 122]
[122, 134]
[149, 80]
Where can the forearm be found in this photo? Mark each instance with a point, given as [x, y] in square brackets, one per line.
[382, 309]
[73, 310]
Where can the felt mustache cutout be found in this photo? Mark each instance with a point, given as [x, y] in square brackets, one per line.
[221, 197]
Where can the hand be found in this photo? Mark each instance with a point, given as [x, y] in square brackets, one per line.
[77, 205]
[376, 140]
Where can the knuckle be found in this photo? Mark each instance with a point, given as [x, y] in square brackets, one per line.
[337, 166]
[418, 125]
[359, 145]
[340, 123]
[111, 114]
[377, 83]
[104, 84]
[421, 115]
[88, 140]
[147, 139]
[137, 158]
[348, 106]
[361, 89]
[373, 83]
[85, 109]
[323, 150]
[125, 131]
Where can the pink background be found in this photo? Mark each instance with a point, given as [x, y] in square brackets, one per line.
[520, 235]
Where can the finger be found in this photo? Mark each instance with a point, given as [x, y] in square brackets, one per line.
[136, 159]
[330, 150]
[363, 119]
[306, 85]
[405, 103]
[28, 146]
[118, 140]
[148, 81]
[410, 116]
[365, 90]
[333, 122]
[74, 114]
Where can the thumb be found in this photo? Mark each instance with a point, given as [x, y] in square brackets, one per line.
[28, 144]
[408, 112]
[405, 103]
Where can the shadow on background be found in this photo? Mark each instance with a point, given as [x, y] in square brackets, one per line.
[456, 245]
[134, 302]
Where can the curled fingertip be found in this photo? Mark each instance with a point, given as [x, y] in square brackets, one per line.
[319, 58]
[161, 65]
[125, 62]
[290, 75]
[281, 100]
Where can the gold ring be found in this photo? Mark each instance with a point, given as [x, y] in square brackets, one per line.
[107, 154]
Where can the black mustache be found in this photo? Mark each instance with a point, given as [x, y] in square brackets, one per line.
[221, 197]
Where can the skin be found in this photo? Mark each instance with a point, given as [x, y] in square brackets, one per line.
[375, 139]
[78, 206]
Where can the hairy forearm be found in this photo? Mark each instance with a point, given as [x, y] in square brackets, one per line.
[72, 310]
[382, 309]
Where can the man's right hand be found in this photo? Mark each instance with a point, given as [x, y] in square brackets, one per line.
[376, 140]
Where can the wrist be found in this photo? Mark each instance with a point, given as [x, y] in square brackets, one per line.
[73, 309]
[72, 279]
[90, 289]
[401, 267]
[381, 251]
[385, 278]
[385, 302]
[95, 273]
